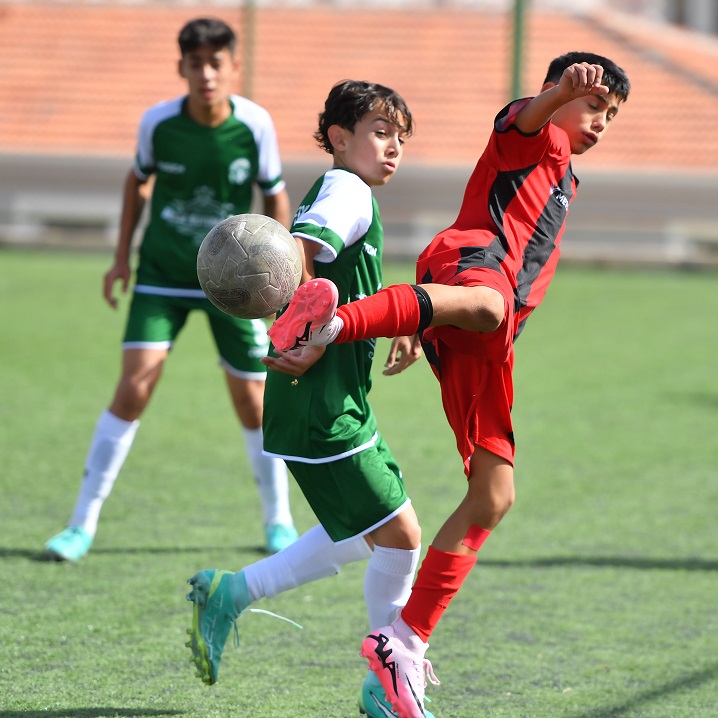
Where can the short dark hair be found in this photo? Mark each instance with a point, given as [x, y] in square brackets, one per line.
[350, 100]
[614, 77]
[206, 32]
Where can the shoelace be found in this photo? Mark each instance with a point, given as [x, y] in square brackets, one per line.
[235, 630]
[424, 673]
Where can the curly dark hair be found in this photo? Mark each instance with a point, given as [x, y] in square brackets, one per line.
[350, 100]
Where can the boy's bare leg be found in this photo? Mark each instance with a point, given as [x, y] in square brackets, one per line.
[489, 496]
[476, 309]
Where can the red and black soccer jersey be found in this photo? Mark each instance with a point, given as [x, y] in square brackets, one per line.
[512, 216]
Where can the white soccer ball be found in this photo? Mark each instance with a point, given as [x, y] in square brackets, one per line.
[249, 266]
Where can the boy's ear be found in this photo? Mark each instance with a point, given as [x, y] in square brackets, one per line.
[336, 136]
[180, 67]
[547, 85]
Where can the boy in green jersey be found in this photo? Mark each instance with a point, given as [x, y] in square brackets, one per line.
[205, 151]
[316, 416]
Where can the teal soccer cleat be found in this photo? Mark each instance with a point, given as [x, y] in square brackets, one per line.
[279, 536]
[373, 702]
[213, 616]
[69, 545]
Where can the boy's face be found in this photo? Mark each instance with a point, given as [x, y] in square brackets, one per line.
[586, 119]
[210, 74]
[373, 151]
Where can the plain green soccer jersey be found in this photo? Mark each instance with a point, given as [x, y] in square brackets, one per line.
[202, 176]
[324, 415]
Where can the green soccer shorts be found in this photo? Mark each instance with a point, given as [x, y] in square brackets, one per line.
[156, 320]
[353, 495]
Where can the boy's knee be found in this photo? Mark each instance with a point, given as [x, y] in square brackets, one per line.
[485, 310]
[492, 311]
[508, 502]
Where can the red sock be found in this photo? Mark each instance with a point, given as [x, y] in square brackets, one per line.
[391, 312]
[440, 577]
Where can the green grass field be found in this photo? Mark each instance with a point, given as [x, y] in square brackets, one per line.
[595, 598]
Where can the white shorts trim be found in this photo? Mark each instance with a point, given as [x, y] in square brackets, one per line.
[147, 345]
[251, 375]
[325, 459]
[170, 292]
[386, 519]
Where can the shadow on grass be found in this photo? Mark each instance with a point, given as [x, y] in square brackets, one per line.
[632, 562]
[89, 713]
[684, 683]
[41, 557]
[696, 399]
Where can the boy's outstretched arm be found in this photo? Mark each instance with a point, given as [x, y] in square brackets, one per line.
[578, 80]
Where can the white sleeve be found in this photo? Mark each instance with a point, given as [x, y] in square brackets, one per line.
[269, 172]
[145, 155]
[340, 215]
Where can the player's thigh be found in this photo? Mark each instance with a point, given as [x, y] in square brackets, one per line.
[241, 343]
[353, 495]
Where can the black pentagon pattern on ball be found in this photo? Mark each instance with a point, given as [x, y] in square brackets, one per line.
[249, 266]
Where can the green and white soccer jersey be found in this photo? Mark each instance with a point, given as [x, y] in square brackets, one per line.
[202, 175]
[330, 415]
[321, 422]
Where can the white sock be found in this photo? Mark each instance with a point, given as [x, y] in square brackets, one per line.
[406, 634]
[326, 333]
[272, 480]
[312, 556]
[110, 445]
[387, 583]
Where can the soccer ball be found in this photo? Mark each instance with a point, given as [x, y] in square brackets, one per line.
[249, 266]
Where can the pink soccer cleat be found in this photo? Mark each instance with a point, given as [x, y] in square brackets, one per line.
[402, 670]
[308, 318]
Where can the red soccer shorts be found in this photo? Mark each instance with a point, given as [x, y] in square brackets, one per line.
[475, 370]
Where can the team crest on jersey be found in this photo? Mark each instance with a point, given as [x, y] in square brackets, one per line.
[239, 171]
[560, 197]
[195, 217]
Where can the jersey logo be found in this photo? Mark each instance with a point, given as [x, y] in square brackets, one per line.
[171, 168]
[195, 217]
[239, 171]
[302, 209]
[371, 251]
[560, 197]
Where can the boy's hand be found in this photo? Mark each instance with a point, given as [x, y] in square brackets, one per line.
[581, 79]
[403, 353]
[295, 361]
[119, 271]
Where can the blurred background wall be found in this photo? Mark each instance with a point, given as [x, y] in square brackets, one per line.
[78, 75]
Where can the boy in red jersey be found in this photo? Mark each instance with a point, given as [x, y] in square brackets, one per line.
[479, 280]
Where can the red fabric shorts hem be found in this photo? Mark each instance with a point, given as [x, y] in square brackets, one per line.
[475, 370]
